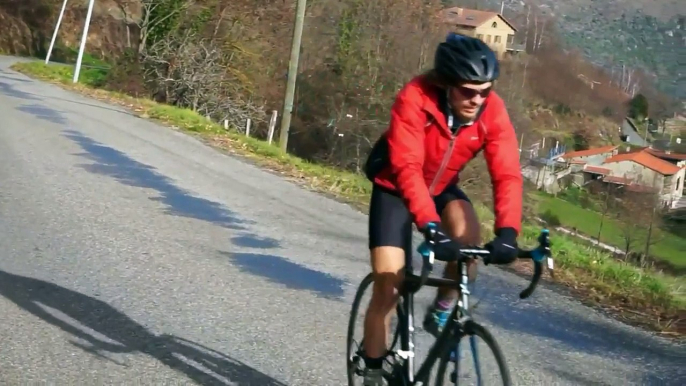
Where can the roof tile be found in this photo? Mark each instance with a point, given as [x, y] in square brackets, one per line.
[470, 17]
[597, 170]
[589, 152]
[648, 160]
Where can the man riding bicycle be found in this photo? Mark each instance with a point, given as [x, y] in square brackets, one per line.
[440, 121]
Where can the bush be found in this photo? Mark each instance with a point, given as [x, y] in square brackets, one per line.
[550, 218]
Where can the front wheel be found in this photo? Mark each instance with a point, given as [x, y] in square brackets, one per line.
[492, 374]
[354, 355]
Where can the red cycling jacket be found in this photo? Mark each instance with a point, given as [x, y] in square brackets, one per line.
[424, 157]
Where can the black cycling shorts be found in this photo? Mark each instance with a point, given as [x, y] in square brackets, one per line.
[390, 222]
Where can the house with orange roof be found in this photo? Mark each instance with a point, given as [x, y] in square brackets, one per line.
[490, 27]
[644, 169]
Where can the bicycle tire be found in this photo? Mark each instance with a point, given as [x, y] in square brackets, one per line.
[355, 310]
[474, 328]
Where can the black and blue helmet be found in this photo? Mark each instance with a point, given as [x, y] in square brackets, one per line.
[463, 58]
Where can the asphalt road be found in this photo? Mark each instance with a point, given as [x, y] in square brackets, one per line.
[132, 253]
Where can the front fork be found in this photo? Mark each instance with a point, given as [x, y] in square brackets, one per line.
[407, 340]
[463, 313]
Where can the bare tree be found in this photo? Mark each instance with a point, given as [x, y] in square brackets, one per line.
[378, 45]
[638, 218]
[152, 14]
[608, 202]
[653, 202]
[632, 231]
[196, 73]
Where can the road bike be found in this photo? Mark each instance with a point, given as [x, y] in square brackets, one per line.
[461, 323]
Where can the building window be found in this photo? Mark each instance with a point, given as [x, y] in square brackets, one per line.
[496, 39]
[480, 36]
[494, 25]
[488, 38]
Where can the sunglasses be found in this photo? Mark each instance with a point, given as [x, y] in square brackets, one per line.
[470, 93]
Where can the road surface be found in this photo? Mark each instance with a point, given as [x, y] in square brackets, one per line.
[132, 253]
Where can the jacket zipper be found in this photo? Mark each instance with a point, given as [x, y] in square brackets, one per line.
[446, 157]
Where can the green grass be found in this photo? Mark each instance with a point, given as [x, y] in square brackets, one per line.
[63, 73]
[68, 55]
[667, 246]
[576, 264]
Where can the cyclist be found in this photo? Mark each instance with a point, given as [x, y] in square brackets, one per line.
[440, 121]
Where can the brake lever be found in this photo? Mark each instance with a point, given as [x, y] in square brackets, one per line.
[537, 256]
[547, 252]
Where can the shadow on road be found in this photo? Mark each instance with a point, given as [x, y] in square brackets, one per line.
[123, 335]
[292, 275]
[10, 91]
[44, 113]
[179, 202]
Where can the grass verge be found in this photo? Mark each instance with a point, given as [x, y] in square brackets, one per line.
[633, 294]
[665, 246]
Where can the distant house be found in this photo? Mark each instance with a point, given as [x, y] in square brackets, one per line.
[491, 27]
[643, 169]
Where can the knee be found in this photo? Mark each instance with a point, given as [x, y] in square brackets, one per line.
[387, 264]
[463, 223]
[471, 235]
[385, 291]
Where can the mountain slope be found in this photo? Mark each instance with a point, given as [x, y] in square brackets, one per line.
[645, 34]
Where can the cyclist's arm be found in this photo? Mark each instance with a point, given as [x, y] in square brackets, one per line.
[502, 157]
[406, 152]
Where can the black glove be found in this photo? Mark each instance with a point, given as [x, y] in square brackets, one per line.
[503, 248]
[445, 248]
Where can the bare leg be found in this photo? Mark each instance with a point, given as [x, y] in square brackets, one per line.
[387, 266]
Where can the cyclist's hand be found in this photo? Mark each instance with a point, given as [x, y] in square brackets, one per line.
[445, 247]
[503, 248]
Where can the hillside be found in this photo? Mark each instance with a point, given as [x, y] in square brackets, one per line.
[645, 34]
[26, 26]
[654, 42]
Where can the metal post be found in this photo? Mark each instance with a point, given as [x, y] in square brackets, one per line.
[54, 34]
[77, 69]
[646, 121]
[272, 126]
[292, 74]
[521, 145]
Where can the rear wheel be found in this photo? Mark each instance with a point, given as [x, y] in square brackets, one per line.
[355, 339]
[495, 373]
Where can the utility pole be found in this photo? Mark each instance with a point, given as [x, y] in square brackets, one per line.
[646, 121]
[77, 69]
[292, 74]
[54, 34]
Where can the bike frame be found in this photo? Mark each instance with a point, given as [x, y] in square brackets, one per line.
[406, 323]
[460, 316]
